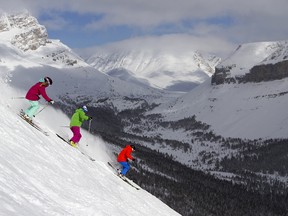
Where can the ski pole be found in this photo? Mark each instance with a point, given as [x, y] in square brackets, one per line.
[41, 109]
[13, 98]
[89, 127]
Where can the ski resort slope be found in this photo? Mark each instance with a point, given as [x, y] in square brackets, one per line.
[42, 175]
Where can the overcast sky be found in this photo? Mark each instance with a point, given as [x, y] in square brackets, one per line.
[216, 26]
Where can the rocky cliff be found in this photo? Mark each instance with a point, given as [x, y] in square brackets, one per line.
[273, 64]
[29, 34]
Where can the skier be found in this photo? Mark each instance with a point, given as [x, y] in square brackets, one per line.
[33, 95]
[76, 121]
[124, 157]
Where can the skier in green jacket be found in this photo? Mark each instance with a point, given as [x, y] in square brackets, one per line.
[76, 121]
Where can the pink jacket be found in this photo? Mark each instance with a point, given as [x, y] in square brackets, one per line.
[35, 91]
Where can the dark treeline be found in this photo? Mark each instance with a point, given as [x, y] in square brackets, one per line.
[270, 157]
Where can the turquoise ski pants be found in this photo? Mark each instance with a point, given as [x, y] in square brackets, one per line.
[34, 106]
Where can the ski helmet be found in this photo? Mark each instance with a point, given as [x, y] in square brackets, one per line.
[48, 80]
[85, 108]
[133, 147]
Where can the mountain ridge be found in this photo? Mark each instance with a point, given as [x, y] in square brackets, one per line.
[162, 69]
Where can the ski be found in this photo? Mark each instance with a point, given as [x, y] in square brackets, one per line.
[63, 139]
[117, 170]
[66, 141]
[21, 114]
[125, 179]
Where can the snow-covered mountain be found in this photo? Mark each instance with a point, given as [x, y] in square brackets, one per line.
[254, 62]
[159, 68]
[28, 33]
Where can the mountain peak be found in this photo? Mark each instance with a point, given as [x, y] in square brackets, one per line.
[248, 62]
[23, 30]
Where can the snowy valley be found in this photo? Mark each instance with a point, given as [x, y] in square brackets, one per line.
[196, 149]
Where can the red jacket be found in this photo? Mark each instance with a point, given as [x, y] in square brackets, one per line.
[35, 91]
[125, 154]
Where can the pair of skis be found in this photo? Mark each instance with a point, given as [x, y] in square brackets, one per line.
[125, 179]
[67, 141]
[30, 122]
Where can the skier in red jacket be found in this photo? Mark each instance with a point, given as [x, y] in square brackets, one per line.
[33, 96]
[124, 157]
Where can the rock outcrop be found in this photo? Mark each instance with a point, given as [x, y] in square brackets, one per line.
[29, 34]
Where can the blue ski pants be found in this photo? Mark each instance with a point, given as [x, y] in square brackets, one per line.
[34, 106]
[125, 167]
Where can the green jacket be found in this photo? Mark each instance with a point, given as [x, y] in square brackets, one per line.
[78, 118]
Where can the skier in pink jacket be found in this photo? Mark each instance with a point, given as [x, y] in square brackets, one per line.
[33, 95]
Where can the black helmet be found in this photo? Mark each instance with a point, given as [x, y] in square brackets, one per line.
[133, 147]
[48, 80]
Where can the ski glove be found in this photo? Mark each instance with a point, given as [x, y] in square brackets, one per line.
[51, 102]
[90, 118]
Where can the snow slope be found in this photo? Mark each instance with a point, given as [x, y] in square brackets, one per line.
[42, 175]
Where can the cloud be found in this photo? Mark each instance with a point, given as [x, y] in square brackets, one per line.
[210, 24]
[176, 44]
[144, 13]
